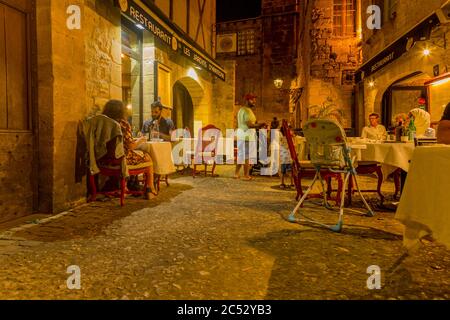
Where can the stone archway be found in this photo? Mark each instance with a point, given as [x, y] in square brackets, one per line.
[400, 95]
[187, 99]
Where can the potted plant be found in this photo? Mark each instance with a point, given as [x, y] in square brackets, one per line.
[327, 110]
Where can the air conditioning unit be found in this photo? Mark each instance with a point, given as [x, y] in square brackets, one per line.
[226, 43]
[444, 13]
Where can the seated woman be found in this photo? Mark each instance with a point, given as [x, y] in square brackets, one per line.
[443, 130]
[116, 110]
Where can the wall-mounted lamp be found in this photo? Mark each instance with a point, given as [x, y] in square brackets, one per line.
[371, 84]
[278, 83]
[426, 52]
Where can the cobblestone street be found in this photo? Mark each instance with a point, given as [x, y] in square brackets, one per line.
[216, 238]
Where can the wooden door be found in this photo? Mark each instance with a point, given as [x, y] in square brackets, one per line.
[17, 181]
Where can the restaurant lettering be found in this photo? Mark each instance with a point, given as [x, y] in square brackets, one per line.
[394, 51]
[169, 37]
[382, 62]
[151, 26]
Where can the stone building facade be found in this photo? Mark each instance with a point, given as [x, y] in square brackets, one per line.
[264, 48]
[70, 73]
[407, 59]
[335, 56]
[307, 45]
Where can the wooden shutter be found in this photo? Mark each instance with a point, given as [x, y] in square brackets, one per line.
[13, 69]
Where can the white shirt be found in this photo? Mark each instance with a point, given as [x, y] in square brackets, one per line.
[374, 133]
[245, 115]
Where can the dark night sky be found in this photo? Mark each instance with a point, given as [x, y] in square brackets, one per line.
[237, 9]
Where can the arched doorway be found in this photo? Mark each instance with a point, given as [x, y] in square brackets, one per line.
[183, 108]
[402, 96]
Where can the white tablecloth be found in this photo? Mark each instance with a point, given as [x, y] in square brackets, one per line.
[161, 153]
[390, 155]
[424, 205]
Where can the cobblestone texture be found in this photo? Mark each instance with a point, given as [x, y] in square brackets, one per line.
[216, 238]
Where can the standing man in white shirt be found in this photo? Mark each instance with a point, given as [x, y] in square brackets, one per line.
[246, 121]
[374, 131]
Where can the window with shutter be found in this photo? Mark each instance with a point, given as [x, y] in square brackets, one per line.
[246, 42]
[14, 101]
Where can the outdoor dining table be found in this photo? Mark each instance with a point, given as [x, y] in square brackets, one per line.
[161, 154]
[424, 206]
[391, 155]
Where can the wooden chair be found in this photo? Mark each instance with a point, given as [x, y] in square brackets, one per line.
[304, 169]
[367, 168]
[205, 151]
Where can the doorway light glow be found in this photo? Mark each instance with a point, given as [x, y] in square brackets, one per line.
[192, 74]
[442, 81]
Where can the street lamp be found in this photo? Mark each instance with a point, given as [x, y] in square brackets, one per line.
[278, 83]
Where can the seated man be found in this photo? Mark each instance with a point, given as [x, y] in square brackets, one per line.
[166, 126]
[374, 131]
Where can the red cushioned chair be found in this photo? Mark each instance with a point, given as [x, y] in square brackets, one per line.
[208, 138]
[111, 167]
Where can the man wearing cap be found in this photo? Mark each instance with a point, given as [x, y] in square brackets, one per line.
[246, 121]
[166, 126]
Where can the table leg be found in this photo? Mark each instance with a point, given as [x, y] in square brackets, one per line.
[403, 176]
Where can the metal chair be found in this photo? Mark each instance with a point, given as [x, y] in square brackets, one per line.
[329, 150]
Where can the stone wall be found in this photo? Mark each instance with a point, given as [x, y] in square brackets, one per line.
[224, 97]
[275, 57]
[334, 61]
[79, 70]
[16, 175]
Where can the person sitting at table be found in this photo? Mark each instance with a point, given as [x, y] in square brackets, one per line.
[374, 130]
[422, 120]
[116, 110]
[443, 130]
[166, 126]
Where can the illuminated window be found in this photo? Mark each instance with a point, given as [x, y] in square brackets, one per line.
[344, 18]
[246, 42]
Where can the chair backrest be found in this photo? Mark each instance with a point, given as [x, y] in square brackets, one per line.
[107, 138]
[327, 143]
[208, 138]
[291, 145]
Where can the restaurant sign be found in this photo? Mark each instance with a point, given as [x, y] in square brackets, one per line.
[172, 38]
[419, 33]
